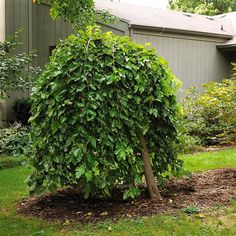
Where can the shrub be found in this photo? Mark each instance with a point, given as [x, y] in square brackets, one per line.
[21, 109]
[14, 140]
[211, 115]
[100, 103]
[15, 69]
[187, 143]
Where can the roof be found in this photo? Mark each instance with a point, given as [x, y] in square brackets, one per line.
[232, 42]
[168, 20]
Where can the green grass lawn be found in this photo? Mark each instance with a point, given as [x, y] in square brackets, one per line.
[210, 160]
[220, 221]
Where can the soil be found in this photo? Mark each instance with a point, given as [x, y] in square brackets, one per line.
[204, 190]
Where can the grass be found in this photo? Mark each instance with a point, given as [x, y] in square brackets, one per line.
[220, 221]
[8, 162]
[210, 160]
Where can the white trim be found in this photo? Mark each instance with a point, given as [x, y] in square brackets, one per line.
[2, 20]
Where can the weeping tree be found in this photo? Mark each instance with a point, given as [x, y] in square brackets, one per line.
[103, 114]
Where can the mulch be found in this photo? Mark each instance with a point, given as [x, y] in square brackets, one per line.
[203, 190]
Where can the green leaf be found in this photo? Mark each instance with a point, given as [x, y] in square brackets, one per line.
[131, 193]
[89, 175]
[79, 171]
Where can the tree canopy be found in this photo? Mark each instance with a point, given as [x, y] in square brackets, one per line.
[103, 114]
[205, 7]
[80, 13]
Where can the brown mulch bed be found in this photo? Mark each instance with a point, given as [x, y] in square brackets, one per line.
[204, 190]
[217, 147]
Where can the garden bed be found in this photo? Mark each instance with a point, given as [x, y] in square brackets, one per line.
[204, 190]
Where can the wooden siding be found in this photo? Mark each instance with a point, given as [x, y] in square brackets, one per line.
[194, 60]
[47, 32]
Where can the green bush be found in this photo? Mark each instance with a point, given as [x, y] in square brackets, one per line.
[14, 140]
[211, 114]
[16, 72]
[98, 96]
[21, 109]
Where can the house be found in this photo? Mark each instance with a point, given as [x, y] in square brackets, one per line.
[40, 32]
[194, 45]
[198, 48]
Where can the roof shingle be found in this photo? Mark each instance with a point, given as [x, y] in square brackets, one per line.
[168, 20]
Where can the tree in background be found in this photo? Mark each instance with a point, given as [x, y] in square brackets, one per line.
[16, 73]
[205, 7]
[80, 13]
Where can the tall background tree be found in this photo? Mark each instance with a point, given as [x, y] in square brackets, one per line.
[205, 7]
[16, 71]
[80, 13]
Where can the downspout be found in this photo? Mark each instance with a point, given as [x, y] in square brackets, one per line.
[130, 31]
[3, 122]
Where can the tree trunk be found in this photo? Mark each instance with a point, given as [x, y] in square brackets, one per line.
[149, 176]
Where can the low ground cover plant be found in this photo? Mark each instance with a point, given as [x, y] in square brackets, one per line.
[14, 140]
[103, 114]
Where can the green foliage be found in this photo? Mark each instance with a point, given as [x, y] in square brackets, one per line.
[97, 95]
[210, 7]
[80, 13]
[191, 210]
[15, 69]
[187, 143]
[14, 140]
[211, 115]
[21, 109]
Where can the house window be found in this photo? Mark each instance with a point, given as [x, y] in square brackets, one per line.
[51, 48]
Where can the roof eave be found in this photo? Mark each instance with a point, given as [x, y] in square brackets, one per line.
[227, 47]
[180, 31]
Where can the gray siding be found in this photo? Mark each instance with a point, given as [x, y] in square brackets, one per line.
[47, 32]
[120, 28]
[17, 17]
[39, 32]
[194, 60]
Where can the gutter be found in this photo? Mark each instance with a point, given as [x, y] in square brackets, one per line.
[179, 31]
[226, 47]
